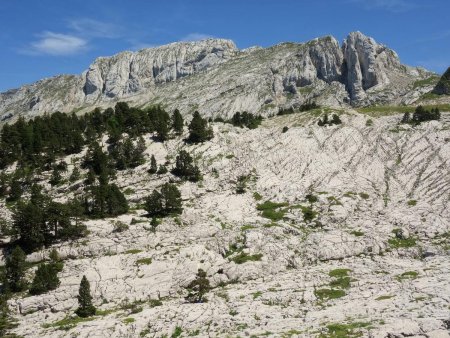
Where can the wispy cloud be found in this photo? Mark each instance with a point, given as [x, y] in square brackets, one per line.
[395, 6]
[195, 37]
[93, 28]
[51, 43]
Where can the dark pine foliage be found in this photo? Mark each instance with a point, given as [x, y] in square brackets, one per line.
[164, 203]
[246, 120]
[85, 306]
[185, 167]
[335, 119]
[199, 130]
[421, 115]
[198, 288]
[45, 279]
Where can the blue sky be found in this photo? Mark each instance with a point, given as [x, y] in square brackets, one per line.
[42, 38]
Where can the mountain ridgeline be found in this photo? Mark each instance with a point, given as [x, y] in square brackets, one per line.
[216, 78]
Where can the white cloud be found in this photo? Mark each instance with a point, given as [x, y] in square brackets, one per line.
[92, 28]
[196, 37]
[56, 44]
[389, 5]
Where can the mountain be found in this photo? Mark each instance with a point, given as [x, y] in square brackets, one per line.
[216, 78]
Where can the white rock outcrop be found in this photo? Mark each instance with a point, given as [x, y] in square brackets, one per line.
[214, 77]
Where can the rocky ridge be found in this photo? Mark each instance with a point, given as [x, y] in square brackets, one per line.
[215, 77]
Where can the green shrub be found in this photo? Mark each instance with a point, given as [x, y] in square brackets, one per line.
[243, 257]
[325, 294]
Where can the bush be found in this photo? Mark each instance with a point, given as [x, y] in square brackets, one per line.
[285, 129]
[15, 268]
[335, 119]
[246, 120]
[120, 226]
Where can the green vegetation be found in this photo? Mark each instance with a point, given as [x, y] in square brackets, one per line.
[185, 168]
[68, 323]
[246, 120]
[412, 203]
[144, 261]
[326, 294]
[345, 330]
[402, 242]
[335, 120]
[357, 233]
[257, 196]
[340, 278]
[377, 111]
[198, 288]
[133, 251]
[164, 203]
[243, 257]
[177, 332]
[85, 307]
[310, 105]
[15, 268]
[45, 279]
[128, 320]
[421, 115]
[177, 122]
[384, 297]
[269, 210]
[363, 195]
[199, 131]
[407, 275]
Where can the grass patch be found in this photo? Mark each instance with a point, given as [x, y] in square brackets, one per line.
[242, 258]
[384, 297]
[257, 294]
[363, 195]
[247, 227]
[339, 273]
[257, 196]
[128, 320]
[144, 261]
[271, 210]
[326, 294]
[349, 330]
[133, 251]
[177, 332]
[402, 242]
[412, 203]
[357, 233]
[68, 323]
[407, 275]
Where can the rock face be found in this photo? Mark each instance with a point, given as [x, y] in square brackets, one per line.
[443, 86]
[216, 78]
[367, 64]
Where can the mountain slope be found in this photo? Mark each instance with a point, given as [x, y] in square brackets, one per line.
[371, 262]
[218, 79]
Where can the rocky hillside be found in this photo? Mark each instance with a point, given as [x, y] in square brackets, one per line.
[303, 231]
[216, 78]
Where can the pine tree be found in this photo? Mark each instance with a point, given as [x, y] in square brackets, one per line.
[198, 288]
[85, 306]
[137, 154]
[177, 122]
[45, 279]
[15, 191]
[171, 199]
[75, 176]
[184, 167]
[406, 118]
[199, 129]
[153, 204]
[56, 177]
[153, 165]
[15, 268]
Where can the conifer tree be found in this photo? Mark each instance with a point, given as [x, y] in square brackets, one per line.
[198, 288]
[153, 165]
[15, 268]
[184, 167]
[56, 177]
[45, 279]
[15, 191]
[85, 306]
[75, 176]
[199, 129]
[177, 122]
